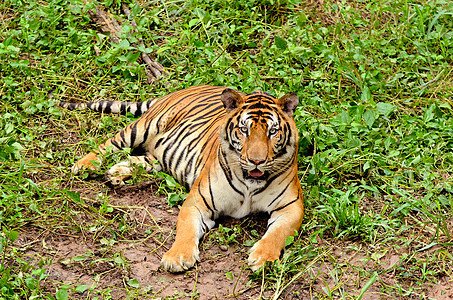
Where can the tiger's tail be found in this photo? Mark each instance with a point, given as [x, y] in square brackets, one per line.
[115, 107]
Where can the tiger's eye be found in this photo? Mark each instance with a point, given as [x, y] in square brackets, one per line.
[272, 131]
[243, 129]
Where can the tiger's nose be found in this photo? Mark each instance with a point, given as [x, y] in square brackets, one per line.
[256, 161]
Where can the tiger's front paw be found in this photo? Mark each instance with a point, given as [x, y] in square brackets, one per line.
[86, 163]
[119, 173]
[262, 252]
[180, 259]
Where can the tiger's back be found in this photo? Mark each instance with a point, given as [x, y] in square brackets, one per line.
[184, 127]
[179, 130]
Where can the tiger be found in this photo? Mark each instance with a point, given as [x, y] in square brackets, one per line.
[236, 153]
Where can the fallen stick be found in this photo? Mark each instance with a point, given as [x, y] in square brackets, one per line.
[108, 23]
[154, 66]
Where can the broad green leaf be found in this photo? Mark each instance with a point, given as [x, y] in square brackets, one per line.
[81, 288]
[173, 199]
[17, 146]
[119, 260]
[132, 57]
[171, 182]
[133, 283]
[74, 196]
[249, 243]
[193, 22]
[366, 166]
[369, 117]
[280, 43]
[12, 235]
[124, 44]
[385, 108]
[229, 275]
[366, 94]
[344, 117]
[62, 295]
[9, 128]
[289, 240]
[79, 258]
[429, 113]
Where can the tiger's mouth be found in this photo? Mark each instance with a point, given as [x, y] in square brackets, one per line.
[255, 174]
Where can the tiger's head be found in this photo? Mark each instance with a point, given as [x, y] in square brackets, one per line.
[259, 134]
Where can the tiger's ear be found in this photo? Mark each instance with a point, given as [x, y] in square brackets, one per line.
[231, 99]
[288, 103]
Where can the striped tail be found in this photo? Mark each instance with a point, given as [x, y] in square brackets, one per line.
[115, 107]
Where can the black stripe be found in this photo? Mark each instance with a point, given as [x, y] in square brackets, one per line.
[205, 202]
[159, 141]
[145, 135]
[262, 96]
[258, 105]
[123, 108]
[260, 113]
[68, 106]
[108, 107]
[175, 144]
[123, 139]
[181, 159]
[271, 223]
[176, 132]
[205, 227]
[208, 115]
[114, 143]
[200, 164]
[287, 204]
[138, 112]
[227, 171]
[133, 134]
[165, 160]
[159, 120]
[183, 134]
[279, 195]
[94, 106]
[210, 191]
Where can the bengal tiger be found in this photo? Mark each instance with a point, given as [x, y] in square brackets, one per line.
[236, 153]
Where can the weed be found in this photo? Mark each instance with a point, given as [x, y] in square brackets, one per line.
[344, 217]
[225, 235]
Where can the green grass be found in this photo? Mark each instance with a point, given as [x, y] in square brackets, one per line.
[375, 120]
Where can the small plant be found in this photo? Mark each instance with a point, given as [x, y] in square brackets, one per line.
[341, 214]
[176, 194]
[225, 236]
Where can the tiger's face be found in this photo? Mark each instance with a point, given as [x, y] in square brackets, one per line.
[259, 133]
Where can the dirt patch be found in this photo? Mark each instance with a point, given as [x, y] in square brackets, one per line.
[112, 241]
[97, 256]
[442, 290]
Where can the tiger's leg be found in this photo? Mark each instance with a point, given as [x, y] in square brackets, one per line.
[129, 137]
[194, 220]
[91, 161]
[283, 223]
[123, 170]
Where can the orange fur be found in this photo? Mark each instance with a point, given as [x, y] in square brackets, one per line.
[236, 153]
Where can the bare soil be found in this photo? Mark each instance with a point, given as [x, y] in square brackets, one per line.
[77, 257]
[107, 249]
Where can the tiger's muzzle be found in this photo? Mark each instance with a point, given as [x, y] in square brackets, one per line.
[256, 152]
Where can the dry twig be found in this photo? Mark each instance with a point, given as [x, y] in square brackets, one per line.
[154, 66]
[108, 23]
